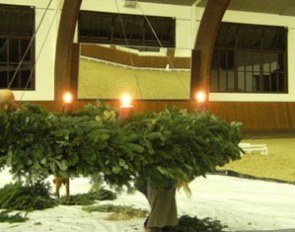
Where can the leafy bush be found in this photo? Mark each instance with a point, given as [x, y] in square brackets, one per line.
[182, 145]
[88, 198]
[6, 216]
[27, 197]
[172, 144]
[193, 224]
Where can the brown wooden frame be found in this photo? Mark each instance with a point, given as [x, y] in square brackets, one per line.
[204, 46]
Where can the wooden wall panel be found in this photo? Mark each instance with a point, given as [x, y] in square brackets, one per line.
[255, 116]
[258, 116]
[290, 111]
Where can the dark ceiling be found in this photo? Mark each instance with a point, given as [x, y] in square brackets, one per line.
[280, 7]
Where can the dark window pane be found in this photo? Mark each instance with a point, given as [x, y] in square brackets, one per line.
[227, 35]
[223, 59]
[117, 29]
[20, 22]
[214, 81]
[149, 35]
[274, 38]
[86, 21]
[25, 23]
[13, 22]
[14, 50]
[3, 50]
[24, 46]
[14, 79]
[222, 81]
[4, 21]
[134, 28]
[16, 31]
[249, 58]
[249, 37]
[25, 81]
[105, 26]
[3, 77]
[16, 20]
[126, 29]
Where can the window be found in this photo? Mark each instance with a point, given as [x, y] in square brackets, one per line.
[249, 59]
[123, 29]
[16, 31]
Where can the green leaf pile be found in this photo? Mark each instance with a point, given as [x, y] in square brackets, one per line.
[173, 144]
[88, 198]
[193, 224]
[6, 216]
[19, 196]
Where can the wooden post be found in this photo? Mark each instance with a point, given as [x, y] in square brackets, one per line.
[64, 47]
[204, 46]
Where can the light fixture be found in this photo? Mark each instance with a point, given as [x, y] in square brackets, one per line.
[68, 98]
[201, 97]
[126, 107]
[67, 105]
[126, 100]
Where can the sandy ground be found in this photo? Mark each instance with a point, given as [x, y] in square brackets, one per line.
[94, 82]
[279, 163]
[241, 204]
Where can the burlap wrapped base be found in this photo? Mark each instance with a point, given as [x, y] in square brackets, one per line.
[163, 207]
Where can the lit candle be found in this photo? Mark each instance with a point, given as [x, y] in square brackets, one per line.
[201, 99]
[67, 106]
[126, 107]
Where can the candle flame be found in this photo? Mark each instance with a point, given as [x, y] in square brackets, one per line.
[200, 97]
[68, 98]
[126, 100]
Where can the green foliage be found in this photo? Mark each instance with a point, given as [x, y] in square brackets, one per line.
[25, 139]
[88, 198]
[78, 199]
[193, 224]
[182, 145]
[18, 196]
[6, 216]
[172, 144]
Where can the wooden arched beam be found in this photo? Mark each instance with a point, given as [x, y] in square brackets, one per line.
[204, 46]
[64, 47]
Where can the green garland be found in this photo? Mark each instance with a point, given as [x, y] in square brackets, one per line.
[171, 144]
